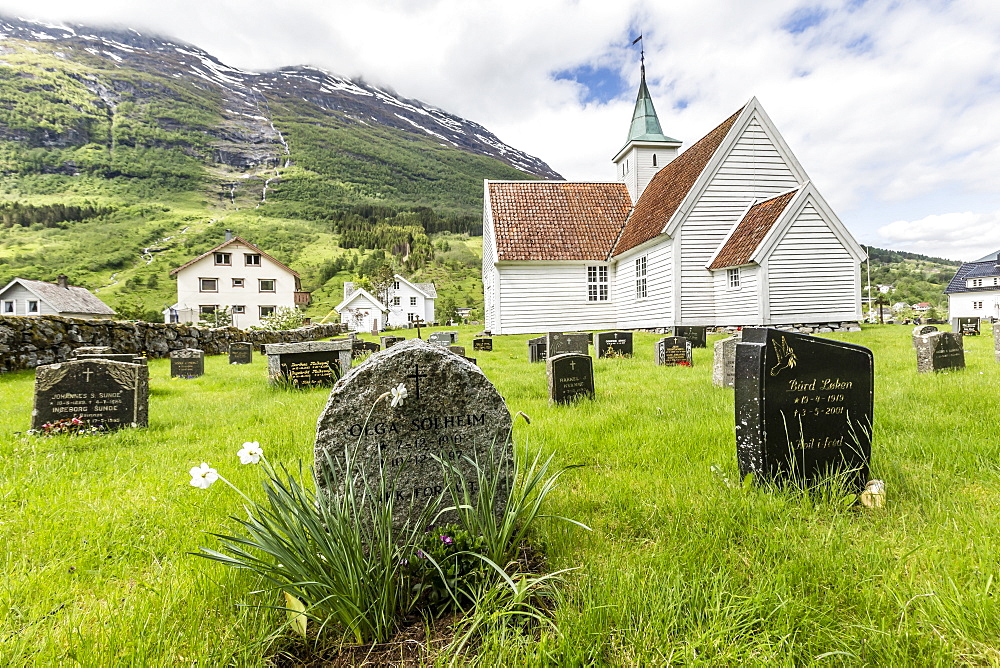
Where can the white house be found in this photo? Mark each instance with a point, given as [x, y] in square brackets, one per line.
[728, 232]
[975, 289]
[235, 275]
[26, 297]
[403, 303]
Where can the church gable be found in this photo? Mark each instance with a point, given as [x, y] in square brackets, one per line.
[750, 232]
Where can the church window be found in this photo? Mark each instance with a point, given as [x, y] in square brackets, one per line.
[640, 277]
[223, 259]
[32, 306]
[654, 160]
[413, 301]
[734, 277]
[8, 306]
[208, 285]
[597, 284]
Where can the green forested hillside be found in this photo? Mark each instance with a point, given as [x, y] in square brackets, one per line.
[914, 278]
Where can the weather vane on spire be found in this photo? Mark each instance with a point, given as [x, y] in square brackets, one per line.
[642, 55]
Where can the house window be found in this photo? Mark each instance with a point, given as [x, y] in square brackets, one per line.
[395, 285]
[32, 306]
[239, 309]
[237, 282]
[266, 311]
[224, 259]
[266, 284]
[734, 277]
[977, 305]
[395, 301]
[207, 309]
[252, 259]
[597, 284]
[208, 285]
[413, 301]
[640, 277]
[976, 283]
[8, 306]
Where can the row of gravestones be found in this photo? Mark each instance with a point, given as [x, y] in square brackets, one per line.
[606, 344]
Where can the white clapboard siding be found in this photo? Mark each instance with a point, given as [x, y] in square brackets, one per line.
[21, 295]
[490, 287]
[810, 274]
[657, 309]
[738, 306]
[539, 297]
[753, 169]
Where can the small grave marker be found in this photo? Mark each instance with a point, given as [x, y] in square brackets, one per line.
[613, 344]
[451, 411]
[310, 363]
[360, 348]
[440, 338]
[482, 344]
[240, 352]
[187, 363]
[803, 407]
[537, 349]
[458, 350]
[557, 343]
[571, 375]
[698, 336]
[674, 351]
[724, 362]
[966, 326]
[939, 351]
[98, 391]
[388, 341]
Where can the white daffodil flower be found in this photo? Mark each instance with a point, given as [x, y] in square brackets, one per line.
[250, 453]
[398, 394]
[203, 476]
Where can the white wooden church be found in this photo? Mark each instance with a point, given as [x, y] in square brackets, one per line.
[728, 232]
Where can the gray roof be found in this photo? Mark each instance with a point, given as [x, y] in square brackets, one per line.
[70, 299]
[981, 268]
[425, 287]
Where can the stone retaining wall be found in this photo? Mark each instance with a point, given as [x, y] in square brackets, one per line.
[28, 342]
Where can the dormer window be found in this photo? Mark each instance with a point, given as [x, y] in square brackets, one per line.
[224, 259]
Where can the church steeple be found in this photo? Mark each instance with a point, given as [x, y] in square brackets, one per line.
[647, 149]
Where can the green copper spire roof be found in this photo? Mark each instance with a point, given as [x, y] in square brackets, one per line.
[645, 124]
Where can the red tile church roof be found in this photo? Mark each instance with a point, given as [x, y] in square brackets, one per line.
[556, 220]
[755, 225]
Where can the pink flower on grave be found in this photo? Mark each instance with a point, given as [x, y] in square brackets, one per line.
[203, 476]
[447, 540]
[398, 394]
[250, 453]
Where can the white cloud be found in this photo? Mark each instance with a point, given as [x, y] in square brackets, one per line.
[959, 236]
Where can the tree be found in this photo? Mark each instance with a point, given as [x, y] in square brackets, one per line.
[284, 317]
[220, 317]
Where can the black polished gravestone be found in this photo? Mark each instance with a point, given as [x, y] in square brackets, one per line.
[674, 351]
[939, 351]
[557, 343]
[308, 364]
[698, 336]
[99, 392]
[450, 411]
[361, 348]
[966, 326]
[537, 351]
[187, 363]
[482, 344]
[571, 376]
[803, 408]
[613, 344]
[240, 352]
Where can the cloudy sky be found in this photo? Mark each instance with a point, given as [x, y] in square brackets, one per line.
[893, 107]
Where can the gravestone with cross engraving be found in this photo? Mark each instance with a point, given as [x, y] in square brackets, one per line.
[187, 363]
[537, 351]
[240, 352]
[482, 344]
[310, 363]
[939, 351]
[557, 343]
[698, 336]
[965, 326]
[99, 392]
[803, 408]
[388, 341]
[724, 362]
[450, 411]
[674, 351]
[613, 344]
[571, 377]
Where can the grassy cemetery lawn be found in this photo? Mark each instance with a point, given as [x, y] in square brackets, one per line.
[685, 563]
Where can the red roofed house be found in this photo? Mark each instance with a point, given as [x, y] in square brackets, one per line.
[727, 232]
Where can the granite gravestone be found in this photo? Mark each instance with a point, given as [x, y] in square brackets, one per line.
[458, 350]
[939, 351]
[453, 335]
[240, 352]
[114, 357]
[803, 407]
[187, 363]
[389, 341]
[613, 344]
[557, 343]
[571, 376]
[920, 330]
[482, 345]
[92, 350]
[537, 351]
[966, 326]
[99, 392]
[440, 338]
[451, 410]
[310, 363]
[724, 362]
[698, 336]
[674, 351]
